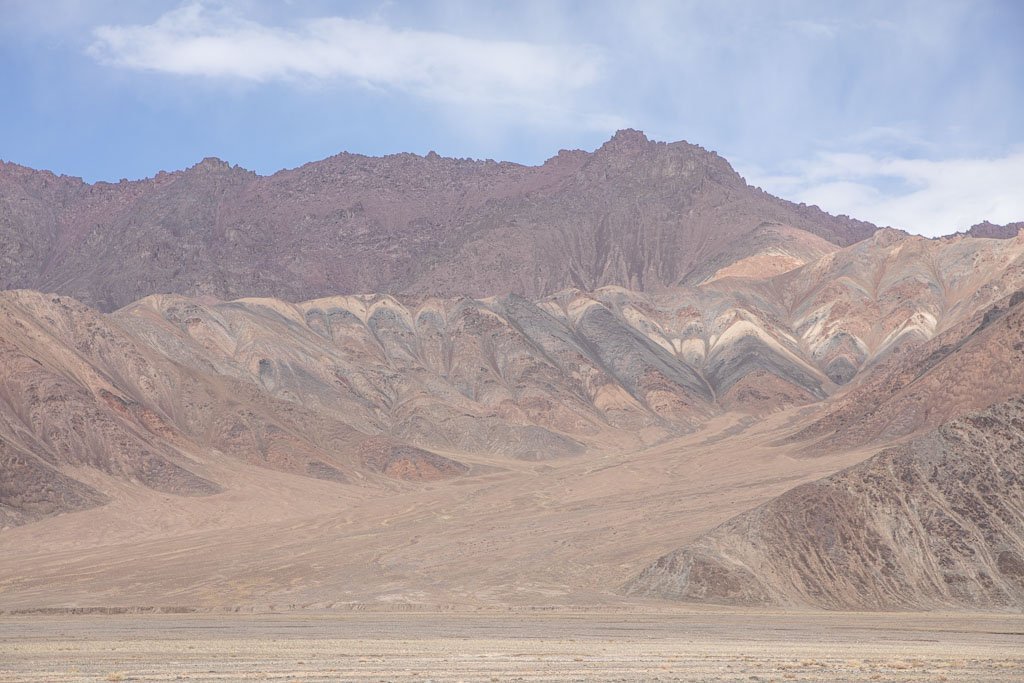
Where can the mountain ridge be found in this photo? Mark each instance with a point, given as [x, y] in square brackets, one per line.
[633, 213]
[347, 387]
[418, 341]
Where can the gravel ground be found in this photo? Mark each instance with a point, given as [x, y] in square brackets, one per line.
[674, 646]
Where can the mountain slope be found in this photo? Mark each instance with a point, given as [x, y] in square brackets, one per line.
[345, 388]
[78, 392]
[634, 213]
[935, 523]
[968, 367]
[352, 388]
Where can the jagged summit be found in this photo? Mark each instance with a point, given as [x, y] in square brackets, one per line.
[626, 139]
[211, 164]
[995, 231]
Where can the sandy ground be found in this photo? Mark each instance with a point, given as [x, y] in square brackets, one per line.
[562, 532]
[509, 574]
[698, 645]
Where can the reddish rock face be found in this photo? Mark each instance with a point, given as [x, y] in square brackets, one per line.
[634, 213]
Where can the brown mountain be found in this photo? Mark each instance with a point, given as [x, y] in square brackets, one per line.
[968, 367]
[79, 392]
[635, 213]
[935, 523]
[347, 388]
[465, 449]
[564, 372]
[996, 231]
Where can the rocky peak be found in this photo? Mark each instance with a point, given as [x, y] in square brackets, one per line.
[651, 213]
[995, 231]
[625, 140]
[212, 168]
[212, 165]
[885, 237]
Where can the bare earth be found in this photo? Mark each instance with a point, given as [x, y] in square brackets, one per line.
[688, 645]
[565, 532]
[443, 496]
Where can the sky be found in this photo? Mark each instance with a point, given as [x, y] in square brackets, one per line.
[902, 113]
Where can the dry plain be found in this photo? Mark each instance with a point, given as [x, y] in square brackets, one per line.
[665, 645]
[511, 575]
[567, 395]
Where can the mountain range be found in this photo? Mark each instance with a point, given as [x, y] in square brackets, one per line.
[608, 371]
[634, 213]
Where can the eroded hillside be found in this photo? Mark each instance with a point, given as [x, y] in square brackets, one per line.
[934, 523]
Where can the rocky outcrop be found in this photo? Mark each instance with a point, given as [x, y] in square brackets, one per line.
[996, 231]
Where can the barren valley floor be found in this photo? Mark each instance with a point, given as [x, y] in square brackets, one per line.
[512, 574]
[564, 532]
[672, 645]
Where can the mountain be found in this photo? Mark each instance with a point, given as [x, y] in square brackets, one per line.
[995, 231]
[355, 388]
[418, 379]
[935, 523]
[432, 448]
[970, 366]
[635, 213]
[79, 392]
[337, 388]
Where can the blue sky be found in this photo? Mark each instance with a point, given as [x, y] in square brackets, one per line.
[903, 113]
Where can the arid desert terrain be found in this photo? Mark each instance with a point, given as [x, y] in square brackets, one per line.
[673, 645]
[724, 437]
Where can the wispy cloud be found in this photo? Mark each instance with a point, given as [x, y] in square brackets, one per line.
[765, 83]
[195, 40]
[928, 197]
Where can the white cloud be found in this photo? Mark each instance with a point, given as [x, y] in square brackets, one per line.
[197, 41]
[928, 197]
